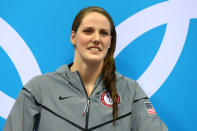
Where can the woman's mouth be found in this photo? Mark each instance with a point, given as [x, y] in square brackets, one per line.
[94, 48]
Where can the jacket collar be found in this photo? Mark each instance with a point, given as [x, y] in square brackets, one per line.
[74, 79]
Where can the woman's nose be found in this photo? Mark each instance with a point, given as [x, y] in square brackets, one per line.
[96, 38]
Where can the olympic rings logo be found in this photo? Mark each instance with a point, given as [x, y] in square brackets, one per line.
[156, 15]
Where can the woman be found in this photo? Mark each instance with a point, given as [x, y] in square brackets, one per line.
[87, 94]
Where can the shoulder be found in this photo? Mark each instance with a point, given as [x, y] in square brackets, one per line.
[125, 86]
[45, 82]
[40, 79]
[123, 80]
[48, 78]
[36, 84]
[130, 86]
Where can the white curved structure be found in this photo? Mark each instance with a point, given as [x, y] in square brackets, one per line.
[22, 58]
[176, 14]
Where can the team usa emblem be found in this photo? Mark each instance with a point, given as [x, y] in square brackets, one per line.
[106, 99]
[149, 107]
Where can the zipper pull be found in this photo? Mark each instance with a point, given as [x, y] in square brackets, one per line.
[85, 110]
[88, 103]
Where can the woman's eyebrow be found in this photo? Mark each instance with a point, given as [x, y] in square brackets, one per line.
[105, 29]
[88, 27]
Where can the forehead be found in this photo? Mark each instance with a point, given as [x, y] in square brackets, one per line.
[95, 19]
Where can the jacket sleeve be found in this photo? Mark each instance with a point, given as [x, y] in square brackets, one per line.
[23, 114]
[144, 117]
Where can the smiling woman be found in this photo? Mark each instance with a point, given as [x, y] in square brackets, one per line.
[93, 30]
[92, 39]
[87, 94]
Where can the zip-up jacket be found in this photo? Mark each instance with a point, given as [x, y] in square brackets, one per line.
[58, 101]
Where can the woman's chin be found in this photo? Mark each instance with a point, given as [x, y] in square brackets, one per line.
[94, 60]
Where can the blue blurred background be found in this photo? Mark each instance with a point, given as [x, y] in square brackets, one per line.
[45, 26]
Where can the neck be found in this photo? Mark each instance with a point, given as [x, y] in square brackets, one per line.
[89, 73]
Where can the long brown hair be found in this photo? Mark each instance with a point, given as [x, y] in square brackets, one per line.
[109, 68]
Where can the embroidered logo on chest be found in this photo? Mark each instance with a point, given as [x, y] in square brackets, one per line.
[107, 100]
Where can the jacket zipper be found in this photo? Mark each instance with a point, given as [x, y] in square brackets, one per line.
[87, 113]
[86, 109]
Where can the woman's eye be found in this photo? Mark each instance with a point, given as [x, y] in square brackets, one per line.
[105, 33]
[87, 31]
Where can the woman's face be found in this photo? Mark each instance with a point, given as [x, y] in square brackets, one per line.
[92, 39]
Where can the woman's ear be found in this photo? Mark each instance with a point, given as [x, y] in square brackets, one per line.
[72, 38]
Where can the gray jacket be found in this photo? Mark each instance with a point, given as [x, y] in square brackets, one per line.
[58, 102]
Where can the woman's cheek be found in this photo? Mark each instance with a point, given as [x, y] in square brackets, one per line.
[107, 43]
[85, 39]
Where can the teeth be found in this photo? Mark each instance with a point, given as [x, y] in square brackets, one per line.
[96, 49]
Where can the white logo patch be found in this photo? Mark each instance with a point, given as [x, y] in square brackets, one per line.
[107, 100]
